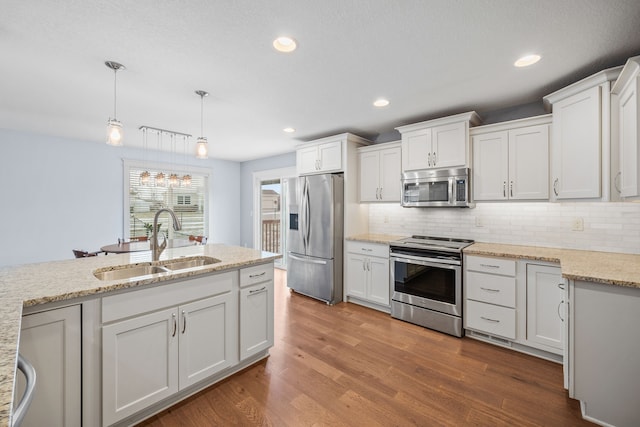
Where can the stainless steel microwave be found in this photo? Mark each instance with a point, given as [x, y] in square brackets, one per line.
[436, 188]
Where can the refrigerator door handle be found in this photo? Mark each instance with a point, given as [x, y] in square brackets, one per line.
[303, 214]
[308, 217]
[311, 261]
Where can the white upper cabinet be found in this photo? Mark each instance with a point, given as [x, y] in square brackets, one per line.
[380, 170]
[625, 91]
[511, 160]
[440, 143]
[580, 138]
[320, 158]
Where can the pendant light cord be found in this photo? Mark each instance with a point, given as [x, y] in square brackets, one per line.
[202, 115]
[115, 92]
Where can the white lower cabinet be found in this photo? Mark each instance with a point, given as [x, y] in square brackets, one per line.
[367, 274]
[545, 307]
[148, 356]
[51, 342]
[516, 303]
[256, 310]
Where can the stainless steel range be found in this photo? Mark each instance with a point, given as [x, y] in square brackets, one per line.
[426, 277]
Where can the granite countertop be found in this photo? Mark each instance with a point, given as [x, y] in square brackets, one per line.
[603, 267]
[42, 283]
[375, 238]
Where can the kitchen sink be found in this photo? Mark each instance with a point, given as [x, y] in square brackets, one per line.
[182, 263]
[128, 272]
[138, 270]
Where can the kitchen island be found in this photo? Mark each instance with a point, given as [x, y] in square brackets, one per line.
[52, 284]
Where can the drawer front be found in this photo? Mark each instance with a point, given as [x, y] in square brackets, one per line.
[491, 288]
[502, 266]
[257, 274]
[368, 249]
[492, 319]
[146, 300]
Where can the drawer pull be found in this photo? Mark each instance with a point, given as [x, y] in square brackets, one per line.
[489, 266]
[258, 290]
[251, 276]
[489, 289]
[367, 250]
[489, 320]
[561, 286]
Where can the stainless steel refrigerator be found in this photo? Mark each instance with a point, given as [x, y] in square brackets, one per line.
[314, 236]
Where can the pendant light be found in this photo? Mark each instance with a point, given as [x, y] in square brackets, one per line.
[202, 150]
[186, 178]
[114, 127]
[145, 176]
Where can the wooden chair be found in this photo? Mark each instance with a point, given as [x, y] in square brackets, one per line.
[84, 254]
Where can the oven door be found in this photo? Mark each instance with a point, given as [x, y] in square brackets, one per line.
[428, 284]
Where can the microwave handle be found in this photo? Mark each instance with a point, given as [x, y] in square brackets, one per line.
[452, 189]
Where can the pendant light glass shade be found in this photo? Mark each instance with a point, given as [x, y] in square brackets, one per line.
[202, 149]
[114, 132]
[160, 179]
[145, 178]
[186, 180]
[114, 127]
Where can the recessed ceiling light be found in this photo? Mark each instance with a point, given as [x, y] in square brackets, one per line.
[380, 102]
[289, 130]
[284, 44]
[527, 60]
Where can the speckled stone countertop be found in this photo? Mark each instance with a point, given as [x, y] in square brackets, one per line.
[591, 266]
[34, 284]
[375, 238]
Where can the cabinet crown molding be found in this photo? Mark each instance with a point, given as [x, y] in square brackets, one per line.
[472, 117]
[581, 85]
[544, 119]
[630, 69]
[380, 146]
[349, 137]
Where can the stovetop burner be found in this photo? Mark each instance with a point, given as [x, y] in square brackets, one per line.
[431, 242]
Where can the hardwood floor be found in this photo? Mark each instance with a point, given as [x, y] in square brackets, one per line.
[347, 365]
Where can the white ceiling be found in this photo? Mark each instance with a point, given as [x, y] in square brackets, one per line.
[429, 58]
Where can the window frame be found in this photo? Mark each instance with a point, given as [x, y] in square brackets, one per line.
[129, 164]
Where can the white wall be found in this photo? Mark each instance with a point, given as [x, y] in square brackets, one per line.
[62, 194]
[613, 227]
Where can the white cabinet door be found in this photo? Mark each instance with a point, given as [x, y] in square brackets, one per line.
[330, 156]
[449, 145]
[490, 166]
[307, 159]
[208, 337]
[529, 163]
[545, 307]
[369, 176]
[256, 319]
[139, 363]
[51, 342]
[576, 146]
[356, 275]
[378, 280]
[629, 151]
[390, 172]
[416, 150]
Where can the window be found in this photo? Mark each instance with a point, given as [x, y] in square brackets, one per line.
[142, 201]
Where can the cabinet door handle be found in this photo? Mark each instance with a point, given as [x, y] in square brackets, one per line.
[489, 289]
[489, 266]
[616, 182]
[489, 320]
[251, 276]
[435, 158]
[175, 324]
[255, 291]
[364, 266]
[504, 189]
[511, 188]
[555, 187]
[561, 286]
[560, 305]
[184, 321]
[380, 193]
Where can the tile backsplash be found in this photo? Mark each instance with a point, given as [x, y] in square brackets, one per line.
[610, 227]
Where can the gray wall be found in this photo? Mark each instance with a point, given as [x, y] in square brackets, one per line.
[246, 189]
[62, 194]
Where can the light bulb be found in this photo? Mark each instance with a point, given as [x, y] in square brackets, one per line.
[145, 177]
[202, 151]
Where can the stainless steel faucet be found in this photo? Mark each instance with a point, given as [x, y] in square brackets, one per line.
[155, 247]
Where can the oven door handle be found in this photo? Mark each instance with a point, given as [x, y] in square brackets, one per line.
[429, 262]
